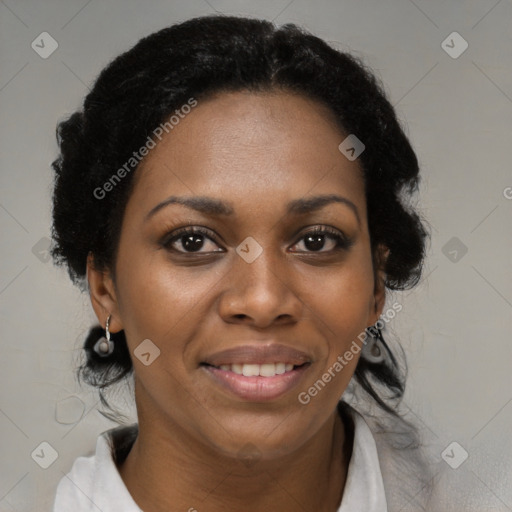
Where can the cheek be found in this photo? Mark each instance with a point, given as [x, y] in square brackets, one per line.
[341, 306]
[343, 297]
[163, 304]
[154, 292]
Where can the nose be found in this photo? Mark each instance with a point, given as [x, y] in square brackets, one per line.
[260, 293]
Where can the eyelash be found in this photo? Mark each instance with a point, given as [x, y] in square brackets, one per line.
[342, 242]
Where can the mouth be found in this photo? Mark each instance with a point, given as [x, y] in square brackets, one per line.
[256, 382]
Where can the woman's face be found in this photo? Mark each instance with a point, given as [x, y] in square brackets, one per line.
[256, 290]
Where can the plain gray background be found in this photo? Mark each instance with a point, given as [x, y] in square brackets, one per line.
[454, 326]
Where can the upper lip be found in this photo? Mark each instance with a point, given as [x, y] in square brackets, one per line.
[258, 354]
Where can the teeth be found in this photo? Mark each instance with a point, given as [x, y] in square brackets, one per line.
[267, 370]
[255, 370]
[250, 370]
[236, 368]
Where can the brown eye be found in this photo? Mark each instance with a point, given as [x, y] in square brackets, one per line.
[321, 238]
[191, 240]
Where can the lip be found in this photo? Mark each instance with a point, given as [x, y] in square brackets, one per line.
[258, 354]
[257, 389]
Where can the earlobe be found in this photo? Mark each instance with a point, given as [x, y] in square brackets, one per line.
[102, 294]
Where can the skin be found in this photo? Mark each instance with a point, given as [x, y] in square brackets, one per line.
[256, 151]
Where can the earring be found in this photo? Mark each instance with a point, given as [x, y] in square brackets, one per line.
[373, 349]
[105, 346]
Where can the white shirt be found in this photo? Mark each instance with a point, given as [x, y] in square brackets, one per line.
[94, 483]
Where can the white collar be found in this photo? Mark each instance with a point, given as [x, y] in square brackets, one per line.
[364, 487]
[94, 483]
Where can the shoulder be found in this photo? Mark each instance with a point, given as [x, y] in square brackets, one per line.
[93, 481]
[408, 463]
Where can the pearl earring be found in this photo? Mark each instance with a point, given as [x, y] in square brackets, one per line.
[373, 349]
[105, 346]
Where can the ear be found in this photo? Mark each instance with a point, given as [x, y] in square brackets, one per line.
[103, 295]
[379, 292]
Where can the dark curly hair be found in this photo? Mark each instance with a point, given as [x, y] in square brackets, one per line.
[141, 88]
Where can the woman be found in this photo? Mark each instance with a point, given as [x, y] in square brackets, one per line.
[233, 196]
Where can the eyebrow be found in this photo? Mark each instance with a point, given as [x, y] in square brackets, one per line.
[211, 206]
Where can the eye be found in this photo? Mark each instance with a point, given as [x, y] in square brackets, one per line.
[195, 239]
[192, 240]
[321, 237]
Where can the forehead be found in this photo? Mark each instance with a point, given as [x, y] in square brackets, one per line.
[245, 143]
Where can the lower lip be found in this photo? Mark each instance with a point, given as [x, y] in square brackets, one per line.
[258, 389]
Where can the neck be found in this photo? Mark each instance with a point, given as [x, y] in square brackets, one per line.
[168, 470]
